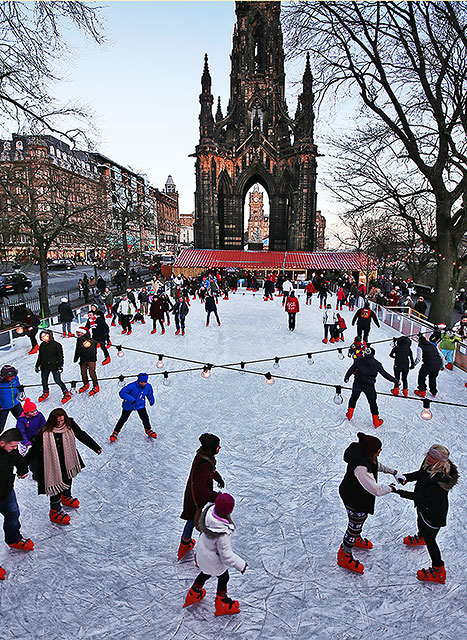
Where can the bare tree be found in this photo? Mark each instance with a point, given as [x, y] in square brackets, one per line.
[407, 62]
[31, 41]
[46, 206]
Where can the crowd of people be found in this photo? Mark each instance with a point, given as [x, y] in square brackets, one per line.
[47, 446]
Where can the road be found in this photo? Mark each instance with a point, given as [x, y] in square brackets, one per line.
[60, 280]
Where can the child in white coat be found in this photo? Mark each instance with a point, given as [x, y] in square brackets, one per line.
[214, 554]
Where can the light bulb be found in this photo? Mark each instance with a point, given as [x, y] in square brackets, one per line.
[87, 344]
[310, 358]
[19, 331]
[206, 371]
[425, 413]
[160, 362]
[276, 364]
[119, 351]
[269, 379]
[242, 368]
[340, 355]
[338, 399]
[165, 379]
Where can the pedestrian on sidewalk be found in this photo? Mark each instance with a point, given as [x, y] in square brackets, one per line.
[50, 361]
[435, 478]
[199, 488]
[214, 555]
[57, 461]
[134, 399]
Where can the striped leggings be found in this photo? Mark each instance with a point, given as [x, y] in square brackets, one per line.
[354, 528]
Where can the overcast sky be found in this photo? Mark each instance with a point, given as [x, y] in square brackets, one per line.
[143, 86]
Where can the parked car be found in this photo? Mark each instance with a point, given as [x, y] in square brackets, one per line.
[62, 263]
[14, 283]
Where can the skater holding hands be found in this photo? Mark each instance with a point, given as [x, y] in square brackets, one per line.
[358, 491]
[435, 478]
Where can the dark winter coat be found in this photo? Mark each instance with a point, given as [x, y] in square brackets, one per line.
[157, 309]
[351, 491]
[402, 353]
[421, 307]
[366, 369]
[134, 396]
[363, 318]
[65, 312]
[85, 354]
[430, 354]
[50, 356]
[35, 455]
[202, 475]
[180, 308]
[30, 426]
[30, 321]
[8, 462]
[210, 304]
[9, 393]
[143, 296]
[431, 494]
[101, 332]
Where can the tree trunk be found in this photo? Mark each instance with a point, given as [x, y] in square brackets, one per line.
[44, 288]
[447, 282]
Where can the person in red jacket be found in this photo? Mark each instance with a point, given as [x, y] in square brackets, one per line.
[292, 307]
[310, 290]
[199, 488]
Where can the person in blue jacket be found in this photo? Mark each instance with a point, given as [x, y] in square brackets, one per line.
[134, 399]
[9, 394]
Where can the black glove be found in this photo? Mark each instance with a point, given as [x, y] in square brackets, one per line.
[346, 380]
[37, 369]
[59, 370]
[221, 483]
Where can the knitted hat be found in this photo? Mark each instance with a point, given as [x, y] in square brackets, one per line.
[143, 377]
[209, 442]
[8, 371]
[224, 505]
[29, 406]
[369, 444]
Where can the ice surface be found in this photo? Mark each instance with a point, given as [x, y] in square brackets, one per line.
[113, 572]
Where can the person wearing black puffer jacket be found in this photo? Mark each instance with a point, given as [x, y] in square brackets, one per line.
[403, 361]
[358, 491]
[431, 364]
[366, 370]
[101, 334]
[50, 361]
[86, 353]
[435, 478]
[65, 315]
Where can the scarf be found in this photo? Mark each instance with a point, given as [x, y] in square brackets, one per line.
[53, 478]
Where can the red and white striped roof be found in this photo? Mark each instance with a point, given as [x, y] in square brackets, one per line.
[259, 260]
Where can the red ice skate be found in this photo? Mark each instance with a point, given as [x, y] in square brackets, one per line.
[346, 561]
[193, 596]
[433, 574]
[226, 606]
[184, 547]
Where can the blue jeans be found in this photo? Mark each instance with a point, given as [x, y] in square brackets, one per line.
[66, 326]
[188, 530]
[11, 525]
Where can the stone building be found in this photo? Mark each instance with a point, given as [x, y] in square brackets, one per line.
[256, 141]
[258, 222]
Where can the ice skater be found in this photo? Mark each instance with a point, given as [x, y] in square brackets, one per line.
[363, 317]
[292, 307]
[134, 399]
[214, 555]
[435, 478]
[358, 491]
[403, 361]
